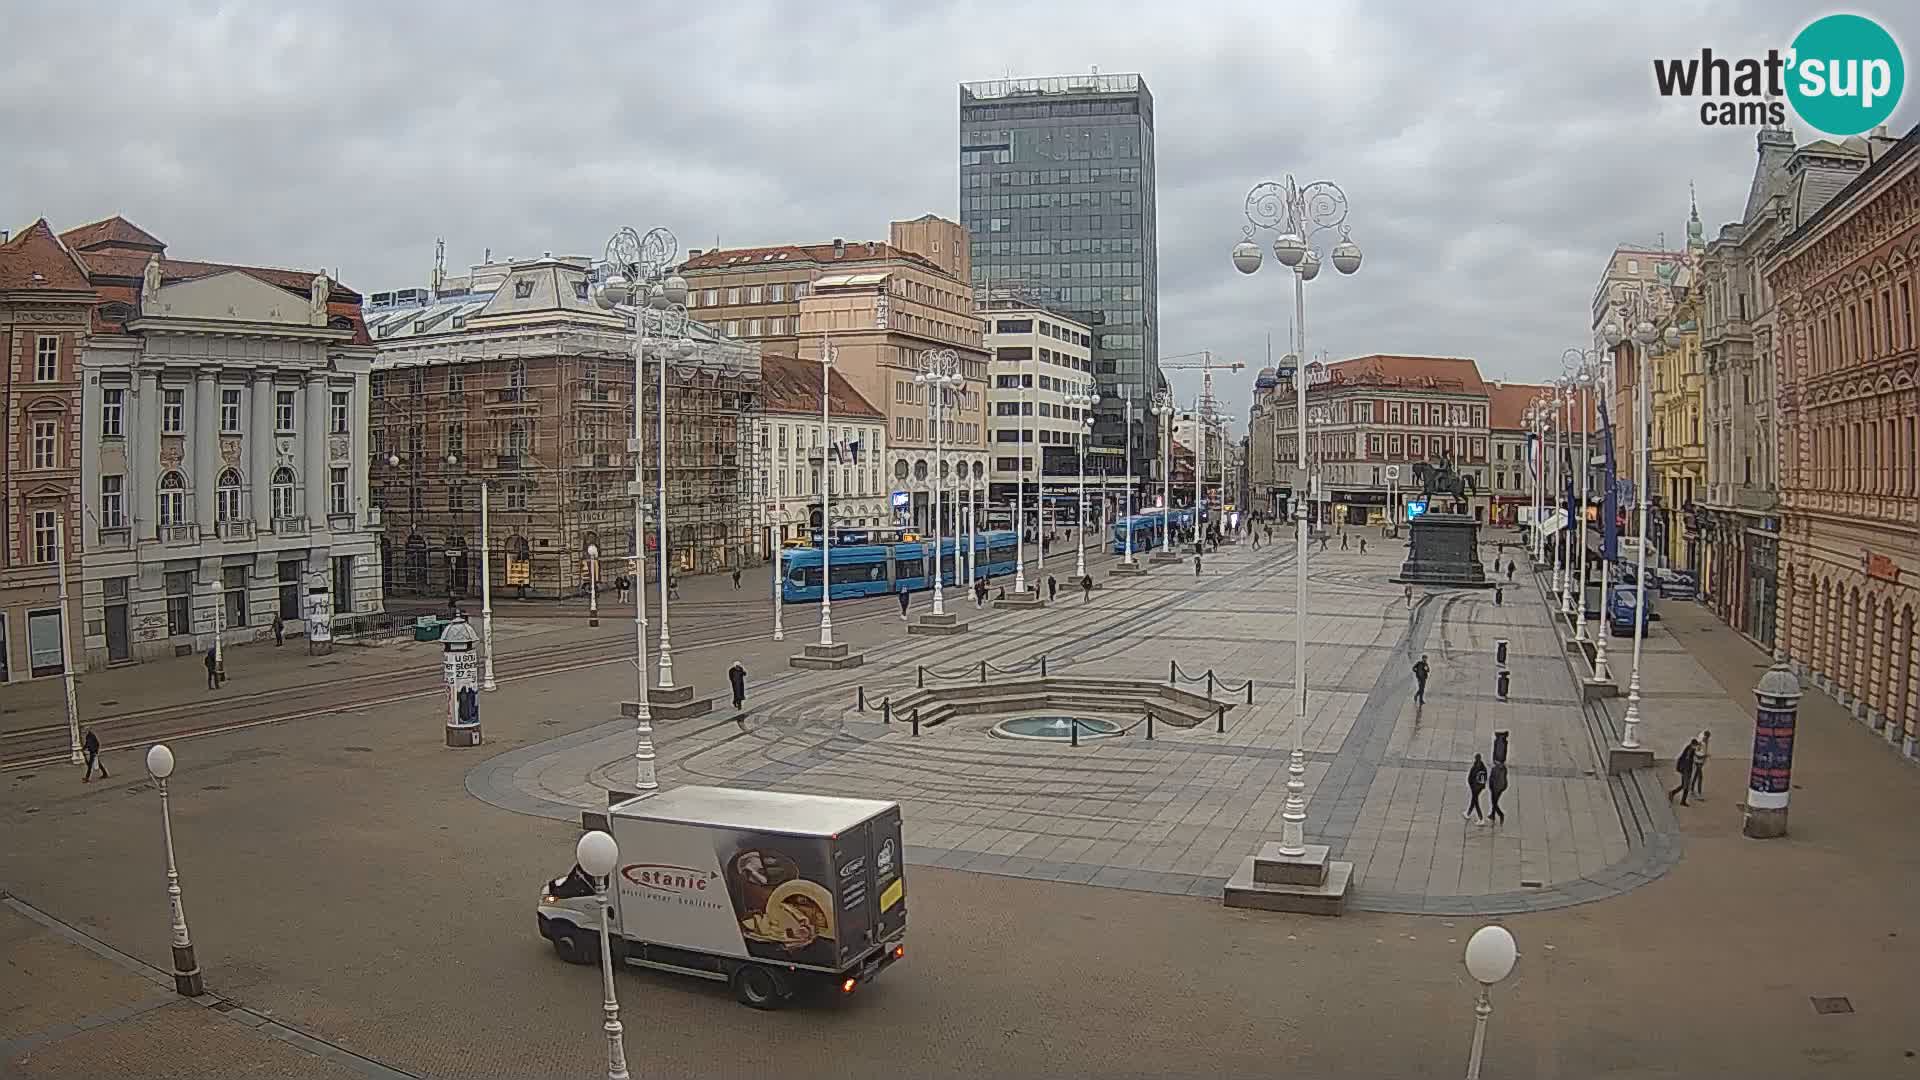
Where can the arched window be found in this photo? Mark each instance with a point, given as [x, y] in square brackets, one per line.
[173, 499]
[282, 491]
[227, 494]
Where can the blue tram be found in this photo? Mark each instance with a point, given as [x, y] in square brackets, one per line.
[884, 569]
[1148, 529]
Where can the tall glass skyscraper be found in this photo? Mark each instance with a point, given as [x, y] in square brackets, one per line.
[1056, 193]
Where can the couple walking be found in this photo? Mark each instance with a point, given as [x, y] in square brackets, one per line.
[1692, 767]
[1493, 781]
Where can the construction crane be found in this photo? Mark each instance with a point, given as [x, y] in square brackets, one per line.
[1206, 417]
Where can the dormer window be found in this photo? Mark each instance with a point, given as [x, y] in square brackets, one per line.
[523, 288]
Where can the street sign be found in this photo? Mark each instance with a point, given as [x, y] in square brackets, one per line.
[1416, 507]
[1393, 472]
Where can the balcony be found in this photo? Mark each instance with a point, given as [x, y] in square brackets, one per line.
[512, 400]
[291, 525]
[181, 533]
[236, 529]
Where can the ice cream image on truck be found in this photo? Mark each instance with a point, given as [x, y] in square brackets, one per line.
[765, 890]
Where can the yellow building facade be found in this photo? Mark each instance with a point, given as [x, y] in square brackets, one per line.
[1677, 413]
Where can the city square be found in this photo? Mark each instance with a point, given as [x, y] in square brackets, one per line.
[1010, 559]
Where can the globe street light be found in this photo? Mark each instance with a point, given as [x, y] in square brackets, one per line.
[1126, 528]
[1163, 408]
[593, 584]
[828, 354]
[219, 632]
[634, 263]
[598, 856]
[1083, 402]
[186, 970]
[1640, 309]
[940, 374]
[1297, 215]
[1490, 957]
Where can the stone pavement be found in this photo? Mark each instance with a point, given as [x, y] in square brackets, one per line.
[1386, 780]
[73, 1006]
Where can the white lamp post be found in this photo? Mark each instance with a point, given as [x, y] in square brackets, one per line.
[828, 354]
[593, 584]
[774, 551]
[940, 374]
[1163, 408]
[1084, 402]
[1126, 440]
[966, 474]
[634, 262]
[186, 970]
[598, 855]
[74, 752]
[1490, 957]
[1298, 214]
[1020, 492]
[486, 599]
[1645, 338]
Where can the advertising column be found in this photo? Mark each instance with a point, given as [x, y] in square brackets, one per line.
[460, 670]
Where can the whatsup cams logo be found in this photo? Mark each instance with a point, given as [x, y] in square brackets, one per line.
[1843, 75]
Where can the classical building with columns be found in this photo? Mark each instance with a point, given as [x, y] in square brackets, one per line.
[225, 463]
[1849, 407]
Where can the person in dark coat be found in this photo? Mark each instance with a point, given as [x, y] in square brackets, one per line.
[213, 674]
[1053, 588]
[279, 631]
[737, 675]
[1498, 596]
[903, 603]
[1476, 783]
[1509, 569]
[92, 747]
[1086, 588]
[1684, 766]
[980, 593]
[1196, 567]
[1420, 672]
[1496, 786]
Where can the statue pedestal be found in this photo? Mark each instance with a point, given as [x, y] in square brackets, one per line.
[1444, 550]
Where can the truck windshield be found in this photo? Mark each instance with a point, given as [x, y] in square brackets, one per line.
[577, 883]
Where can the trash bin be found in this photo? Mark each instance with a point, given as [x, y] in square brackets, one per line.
[1502, 685]
[428, 628]
[1500, 651]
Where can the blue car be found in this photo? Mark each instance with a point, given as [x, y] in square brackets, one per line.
[1620, 611]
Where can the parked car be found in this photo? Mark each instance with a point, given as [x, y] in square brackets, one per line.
[1677, 584]
[1620, 611]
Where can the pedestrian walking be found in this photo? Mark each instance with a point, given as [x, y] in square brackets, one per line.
[1086, 588]
[1196, 568]
[1684, 766]
[1705, 739]
[1509, 569]
[1408, 592]
[1343, 541]
[737, 675]
[1496, 787]
[1053, 588]
[1363, 545]
[673, 586]
[1497, 593]
[620, 586]
[980, 593]
[1420, 672]
[92, 746]
[1476, 783]
[736, 579]
[903, 605]
[279, 631]
[213, 674]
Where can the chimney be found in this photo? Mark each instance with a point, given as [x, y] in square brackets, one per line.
[693, 253]
[839, 248]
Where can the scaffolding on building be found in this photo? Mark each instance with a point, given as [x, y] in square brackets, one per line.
[543, 417]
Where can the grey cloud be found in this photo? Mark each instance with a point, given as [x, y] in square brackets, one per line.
[1493, 154]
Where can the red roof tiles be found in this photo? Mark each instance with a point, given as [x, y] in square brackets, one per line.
[1446, 373]
[113, 234]
[36, 259]
[851, 252]
[792, 385]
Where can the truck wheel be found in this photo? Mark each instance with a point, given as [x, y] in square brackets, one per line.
[759, 987]
[573, 946]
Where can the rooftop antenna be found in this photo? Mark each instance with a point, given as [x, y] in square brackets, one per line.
[439, 267]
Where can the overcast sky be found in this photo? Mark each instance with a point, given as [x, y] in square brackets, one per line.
[1492, 155]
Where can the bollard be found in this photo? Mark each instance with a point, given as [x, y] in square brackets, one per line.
[1249, 691]
[886, 710]
[1173, 671]
[860, 704]
[1500, 651]
[1209, 683]
[915, 718]
[1073, 724]
[1220, 719]
[1149, 725]
[919, 677]
[983, 672]
[1501, 684]
[1043, 665]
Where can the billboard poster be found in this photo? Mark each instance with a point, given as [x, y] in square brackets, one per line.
[460, 670]
[319, 616]
[519, 571]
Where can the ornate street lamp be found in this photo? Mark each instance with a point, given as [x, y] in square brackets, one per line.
[940, 374]
[1640, 310]
[1297, 215]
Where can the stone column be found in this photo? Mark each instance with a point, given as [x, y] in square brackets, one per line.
[143, 472]
[313, 440]
[260, 450]
[205, 426]
[1771, 780]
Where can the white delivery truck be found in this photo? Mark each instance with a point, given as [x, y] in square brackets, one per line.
[764, 890]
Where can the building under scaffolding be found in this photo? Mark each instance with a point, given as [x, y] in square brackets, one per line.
[513, 379]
